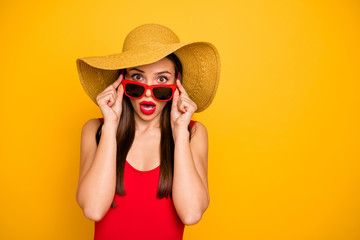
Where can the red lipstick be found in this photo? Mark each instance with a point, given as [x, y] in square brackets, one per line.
[147, 107]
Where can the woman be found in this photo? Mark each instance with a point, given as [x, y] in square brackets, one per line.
[143, 166]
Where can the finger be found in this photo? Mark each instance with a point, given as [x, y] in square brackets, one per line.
[114, 85]
[181, 88]
[117, 82]
[191, 106]
[175, 97]
[182, 106]
[107, 100]
[105, 96]
[120, 93]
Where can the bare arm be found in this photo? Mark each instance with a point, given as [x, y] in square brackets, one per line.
[97, 178]
[190, 186]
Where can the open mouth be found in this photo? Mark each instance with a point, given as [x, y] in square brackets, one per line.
[147, 107]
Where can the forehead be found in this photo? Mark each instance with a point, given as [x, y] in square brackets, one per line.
[161, 65]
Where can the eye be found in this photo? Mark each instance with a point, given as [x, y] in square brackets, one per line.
[136, 77]
[163, 79]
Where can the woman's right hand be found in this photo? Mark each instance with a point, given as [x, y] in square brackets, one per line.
[110, 102]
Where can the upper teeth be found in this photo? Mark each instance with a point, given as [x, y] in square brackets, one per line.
[148, 106]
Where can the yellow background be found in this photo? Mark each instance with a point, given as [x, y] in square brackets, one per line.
[283, 129]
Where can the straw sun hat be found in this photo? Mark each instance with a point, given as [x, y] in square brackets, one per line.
[149, 43]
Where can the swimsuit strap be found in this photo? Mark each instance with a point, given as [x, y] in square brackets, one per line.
[191, 122]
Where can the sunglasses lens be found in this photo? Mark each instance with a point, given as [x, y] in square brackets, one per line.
[134, 90]
[162, 93]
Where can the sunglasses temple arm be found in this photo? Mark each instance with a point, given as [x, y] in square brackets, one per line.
[121, 72]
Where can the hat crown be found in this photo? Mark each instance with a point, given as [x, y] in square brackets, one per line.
[149, 33]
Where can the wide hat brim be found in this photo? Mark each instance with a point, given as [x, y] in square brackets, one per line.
[200, 62]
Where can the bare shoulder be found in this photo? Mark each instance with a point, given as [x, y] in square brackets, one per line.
[88, 136]
[88, 144]
[90, 126]
[199, 131]
[199, 150]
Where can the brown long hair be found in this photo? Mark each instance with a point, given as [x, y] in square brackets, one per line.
[125, 137]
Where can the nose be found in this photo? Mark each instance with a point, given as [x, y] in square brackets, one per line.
[148, 92]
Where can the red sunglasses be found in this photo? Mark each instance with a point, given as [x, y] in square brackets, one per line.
[160, 92]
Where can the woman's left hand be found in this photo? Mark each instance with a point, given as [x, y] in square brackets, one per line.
[182, 109]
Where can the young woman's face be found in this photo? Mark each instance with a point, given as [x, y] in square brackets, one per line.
[160, 72]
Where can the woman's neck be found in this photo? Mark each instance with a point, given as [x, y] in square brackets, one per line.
[144, 126]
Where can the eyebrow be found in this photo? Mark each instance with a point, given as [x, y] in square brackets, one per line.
[158, 73]
[136, 69]
[163, 72]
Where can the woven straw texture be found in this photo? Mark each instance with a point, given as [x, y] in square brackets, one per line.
[149, 43]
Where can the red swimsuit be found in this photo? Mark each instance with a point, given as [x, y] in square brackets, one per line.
[139, 214]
